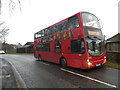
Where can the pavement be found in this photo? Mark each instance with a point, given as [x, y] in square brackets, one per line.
[10, 77]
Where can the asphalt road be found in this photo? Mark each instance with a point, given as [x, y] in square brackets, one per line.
[42, 74]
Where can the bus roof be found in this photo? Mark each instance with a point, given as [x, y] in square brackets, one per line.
[63, 20]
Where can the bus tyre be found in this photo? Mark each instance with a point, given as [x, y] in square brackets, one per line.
[63, 62]
[39, 58]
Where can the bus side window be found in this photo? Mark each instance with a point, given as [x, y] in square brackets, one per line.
[73, 22]
[42, 33]
[77, 46]
[54, 30]
[36, 35]
[58, 47]
[45, 32]
[43, 47]
[39, 35]
[62, 27]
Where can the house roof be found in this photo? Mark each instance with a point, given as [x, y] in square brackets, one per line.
[28, 44]
[114, 39]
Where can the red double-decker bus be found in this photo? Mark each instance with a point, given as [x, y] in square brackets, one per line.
[76, 41]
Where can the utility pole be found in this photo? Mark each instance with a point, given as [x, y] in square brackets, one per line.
[0, 7]
[4, 44]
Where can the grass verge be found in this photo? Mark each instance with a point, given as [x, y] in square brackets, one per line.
[112, 64]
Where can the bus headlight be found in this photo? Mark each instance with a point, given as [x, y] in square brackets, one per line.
[104, 59]
[88, 62]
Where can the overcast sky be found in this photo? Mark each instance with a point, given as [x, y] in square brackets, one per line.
[39, 14]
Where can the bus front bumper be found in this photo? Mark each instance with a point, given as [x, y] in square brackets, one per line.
[96, 63]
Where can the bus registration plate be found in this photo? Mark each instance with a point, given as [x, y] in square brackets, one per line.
[98, 65]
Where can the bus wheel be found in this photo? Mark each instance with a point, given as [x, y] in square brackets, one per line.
[63, 62]
[39, 58]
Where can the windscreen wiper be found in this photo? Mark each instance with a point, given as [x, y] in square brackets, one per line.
[97, 38]
[90, 38]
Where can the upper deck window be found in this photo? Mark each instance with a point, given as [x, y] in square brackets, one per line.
[73, 22]
[90, 20]
[64, 26]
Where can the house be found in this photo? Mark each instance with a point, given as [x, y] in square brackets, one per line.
[27, 48]
[113, 48]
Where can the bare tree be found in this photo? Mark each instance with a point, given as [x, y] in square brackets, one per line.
[3, 33]
[13, 4]
[0, 7]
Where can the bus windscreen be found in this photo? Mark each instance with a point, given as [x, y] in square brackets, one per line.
[90, 20]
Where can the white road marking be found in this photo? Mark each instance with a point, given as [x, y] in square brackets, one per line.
[1, 77]
[4, 65]
[89, 78]
[6, 76]
[44, 63]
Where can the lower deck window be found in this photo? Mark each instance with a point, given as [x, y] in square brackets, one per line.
[43, 47]
[77, 46]
[57, 47]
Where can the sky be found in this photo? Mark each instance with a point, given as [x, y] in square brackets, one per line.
[36, 15]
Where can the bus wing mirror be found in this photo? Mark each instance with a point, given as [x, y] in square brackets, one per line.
[104, 37]
[101, 26]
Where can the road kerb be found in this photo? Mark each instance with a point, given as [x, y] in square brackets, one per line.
[18, 78]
